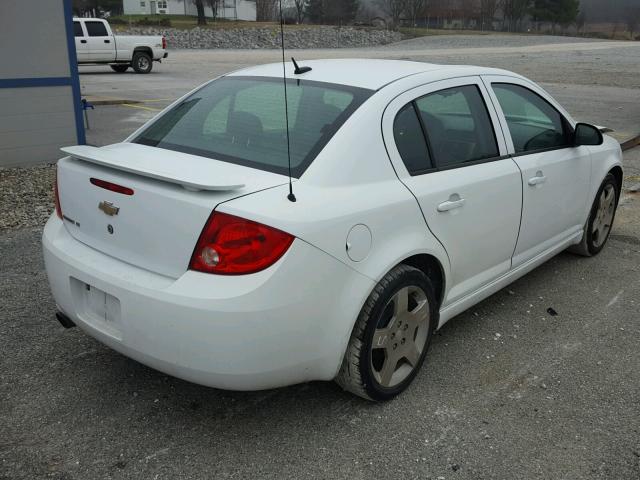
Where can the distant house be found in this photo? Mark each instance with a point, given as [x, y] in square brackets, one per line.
[228, 9]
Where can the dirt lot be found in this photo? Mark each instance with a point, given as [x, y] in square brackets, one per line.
[509, 391]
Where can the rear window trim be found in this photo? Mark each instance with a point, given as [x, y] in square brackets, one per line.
[360, 96]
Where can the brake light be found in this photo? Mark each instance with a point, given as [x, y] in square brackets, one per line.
[112, 187]
[56, 196]
[164, 43]
[230, 245]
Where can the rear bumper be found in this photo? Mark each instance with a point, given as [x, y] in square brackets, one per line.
[285, 325]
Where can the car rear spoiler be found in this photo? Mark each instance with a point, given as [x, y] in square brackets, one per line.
[192, 172]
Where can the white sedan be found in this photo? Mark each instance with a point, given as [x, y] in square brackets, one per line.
[419, 190]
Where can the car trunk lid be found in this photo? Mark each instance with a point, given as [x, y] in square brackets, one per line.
[157, 226]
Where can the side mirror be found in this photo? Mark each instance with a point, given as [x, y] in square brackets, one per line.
[586, 134]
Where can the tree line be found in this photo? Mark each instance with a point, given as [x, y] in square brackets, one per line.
[510, 13]
[485, 14]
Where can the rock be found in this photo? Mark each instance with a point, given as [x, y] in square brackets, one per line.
[309, 36]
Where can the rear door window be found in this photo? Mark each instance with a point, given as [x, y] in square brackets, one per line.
[458, 126]
[241, 120]
[96, 29]
[533, 122]
[77, 30]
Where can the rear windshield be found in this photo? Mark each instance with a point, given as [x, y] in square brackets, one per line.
[241, 120]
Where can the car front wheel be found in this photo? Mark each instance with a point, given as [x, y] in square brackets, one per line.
[603, 212]
[391, 336]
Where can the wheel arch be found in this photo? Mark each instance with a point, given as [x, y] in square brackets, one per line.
[617, 173]
[147, 50]
[432, 268]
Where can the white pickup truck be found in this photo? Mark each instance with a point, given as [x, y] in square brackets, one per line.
[96, 44]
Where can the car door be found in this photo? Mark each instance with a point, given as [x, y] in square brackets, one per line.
[82, 47]
[101, 46]
[445, 142]
[555, 174]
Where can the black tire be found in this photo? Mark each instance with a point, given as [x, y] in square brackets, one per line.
[594, 240]
[358, 372]
[120, 68]
[142, 62]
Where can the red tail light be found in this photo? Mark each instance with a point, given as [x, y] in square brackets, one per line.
[164, 43]
[113, 187]
[56, 196]
[231, 245]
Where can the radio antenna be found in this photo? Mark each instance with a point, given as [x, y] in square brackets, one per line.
[291, 196]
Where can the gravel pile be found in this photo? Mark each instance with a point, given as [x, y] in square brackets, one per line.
[256, 38]
[26, 196]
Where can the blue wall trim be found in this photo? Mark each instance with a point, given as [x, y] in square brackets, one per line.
[35, 82]
[73, 70]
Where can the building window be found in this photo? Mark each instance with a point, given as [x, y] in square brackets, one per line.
[143, 4]
[162, 4]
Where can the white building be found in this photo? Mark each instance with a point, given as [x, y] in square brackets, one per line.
[228, 9]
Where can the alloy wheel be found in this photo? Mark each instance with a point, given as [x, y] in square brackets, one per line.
[400, 336]
[604, 215]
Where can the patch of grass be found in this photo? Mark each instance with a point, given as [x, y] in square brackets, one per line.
[414, 32]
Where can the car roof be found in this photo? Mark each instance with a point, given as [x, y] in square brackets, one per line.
[372, 74]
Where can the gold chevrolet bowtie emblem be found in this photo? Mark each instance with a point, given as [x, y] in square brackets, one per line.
[108, 208]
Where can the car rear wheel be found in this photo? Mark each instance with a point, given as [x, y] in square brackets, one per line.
[598, 227]
[120, 68]
[391, 336]
[142, 62]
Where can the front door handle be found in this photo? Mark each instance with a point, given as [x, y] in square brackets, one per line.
[83, 41]
[538, 179]
[107, 41]
[455, 201]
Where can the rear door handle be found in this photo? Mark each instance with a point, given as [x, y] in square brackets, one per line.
[455, 201]
[83, 41]
[107, 41]
[538, 179]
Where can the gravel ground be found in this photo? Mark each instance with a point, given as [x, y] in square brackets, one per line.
[26, 196]
[508, 392]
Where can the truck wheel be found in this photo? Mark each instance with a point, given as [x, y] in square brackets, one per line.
[120, 68]
[142, 62]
